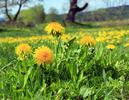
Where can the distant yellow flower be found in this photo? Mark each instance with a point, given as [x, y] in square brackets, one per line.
[110, 47]
[4, 48]
[126, 45]
[54, 28]
[118, 41]
[112, 41]
[23, 50]
[87, 41]
[100, 39]
[43, 55]
[107, 41]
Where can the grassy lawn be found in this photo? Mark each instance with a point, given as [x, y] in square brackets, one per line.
[88, 64]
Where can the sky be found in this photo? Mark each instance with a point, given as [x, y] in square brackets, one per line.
[64, 4]
[93, 4]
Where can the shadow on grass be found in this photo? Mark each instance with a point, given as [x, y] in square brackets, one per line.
[1, 30]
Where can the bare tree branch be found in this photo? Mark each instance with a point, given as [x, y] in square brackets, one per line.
[6, 10]
[84, 7]
[6, 4]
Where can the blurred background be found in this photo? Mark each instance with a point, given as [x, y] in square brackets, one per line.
[33, 12]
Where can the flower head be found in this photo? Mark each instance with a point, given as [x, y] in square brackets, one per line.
[54, 28]
[110, 47]
[43, 55]
[87, 41]
[23, 50]
[126, 45]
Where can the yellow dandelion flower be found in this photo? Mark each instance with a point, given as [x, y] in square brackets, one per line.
[112, 41]
[126, 45]
[43, 55]
[23, 50]
[100, 39]
[110, 47]
[54, 28]
[87, 41]
[107, 41]
[4, 48]
[118, 41]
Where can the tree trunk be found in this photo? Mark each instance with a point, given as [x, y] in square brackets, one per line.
[18, 12]
[6, 11]
[14, 19]
[73, 10]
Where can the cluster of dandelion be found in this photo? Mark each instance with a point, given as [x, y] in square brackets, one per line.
[42, 54]
[45, 55]
[54, 28]
[109, 37]
[87, 41]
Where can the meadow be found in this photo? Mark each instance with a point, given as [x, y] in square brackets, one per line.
[64, 63]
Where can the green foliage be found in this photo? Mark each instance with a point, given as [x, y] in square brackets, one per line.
[53, 15]
[34, 15]
[114, 13]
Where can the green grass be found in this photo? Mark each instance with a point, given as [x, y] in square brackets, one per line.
[77, 73]
[39, 30]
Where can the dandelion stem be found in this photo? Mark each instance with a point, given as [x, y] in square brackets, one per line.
[110, 59]
[42, 72]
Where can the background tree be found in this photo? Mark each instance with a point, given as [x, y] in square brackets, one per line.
[6, 5]
[34, 15]
[112, 3]
[53, 15]
[74, 9]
